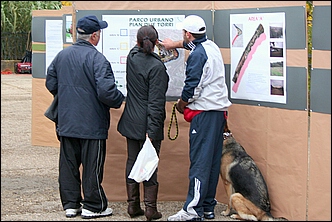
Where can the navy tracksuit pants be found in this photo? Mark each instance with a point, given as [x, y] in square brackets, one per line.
[205, 141]
[90, 154]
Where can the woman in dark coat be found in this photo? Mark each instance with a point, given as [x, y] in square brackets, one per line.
[144, 115]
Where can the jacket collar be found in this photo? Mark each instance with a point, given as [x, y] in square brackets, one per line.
[139, 49]
[192, 45]
[82, 42]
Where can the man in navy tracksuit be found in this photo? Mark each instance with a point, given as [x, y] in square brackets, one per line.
[204, 103]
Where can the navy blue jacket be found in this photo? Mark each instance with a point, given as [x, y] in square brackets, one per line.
[84, 81]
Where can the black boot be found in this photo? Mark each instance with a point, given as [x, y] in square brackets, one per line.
[134, 207]
[150, 201]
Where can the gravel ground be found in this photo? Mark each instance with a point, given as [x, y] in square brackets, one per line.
[29, 187]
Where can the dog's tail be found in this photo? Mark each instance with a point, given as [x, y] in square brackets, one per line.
[268, 217]
[279, 219]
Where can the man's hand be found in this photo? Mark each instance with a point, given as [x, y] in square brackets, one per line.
[180, 105]
[170, 44]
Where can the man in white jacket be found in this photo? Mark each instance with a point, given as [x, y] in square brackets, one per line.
[204, 103]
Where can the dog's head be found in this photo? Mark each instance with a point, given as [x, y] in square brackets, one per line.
[228, 138]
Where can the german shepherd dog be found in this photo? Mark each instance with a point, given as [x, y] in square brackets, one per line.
[244, 183]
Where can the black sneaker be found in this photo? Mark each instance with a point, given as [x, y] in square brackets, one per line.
[209, 215]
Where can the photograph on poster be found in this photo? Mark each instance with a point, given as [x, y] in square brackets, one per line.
[277, 68]
[237, 33]
[276, 31]
[276, 49]
[277, 87]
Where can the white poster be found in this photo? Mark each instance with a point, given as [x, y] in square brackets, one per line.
[54, 42]
[258, 57]
[120, 36]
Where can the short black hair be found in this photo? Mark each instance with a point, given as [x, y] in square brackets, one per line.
[198, 36]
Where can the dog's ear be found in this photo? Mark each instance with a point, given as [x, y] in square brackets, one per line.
[227, 132]
[226, 129]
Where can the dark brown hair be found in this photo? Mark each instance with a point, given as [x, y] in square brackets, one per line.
[147, 36]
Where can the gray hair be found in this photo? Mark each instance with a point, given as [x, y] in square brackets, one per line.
[85, 37]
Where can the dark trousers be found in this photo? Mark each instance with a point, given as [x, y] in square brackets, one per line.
[205, 141]
[133, 148]
[90, 154]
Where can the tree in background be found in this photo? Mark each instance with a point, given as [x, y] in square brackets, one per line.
[16, 16]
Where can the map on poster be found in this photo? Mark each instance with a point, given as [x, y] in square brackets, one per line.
[120, 36]
[258, 57]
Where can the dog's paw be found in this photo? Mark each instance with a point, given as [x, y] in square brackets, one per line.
[235, 216]
[225, 213]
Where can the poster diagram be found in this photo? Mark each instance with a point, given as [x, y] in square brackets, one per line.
[120, 36]
[258, 58]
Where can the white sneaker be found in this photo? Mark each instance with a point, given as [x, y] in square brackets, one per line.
[182, 215]
[73, 212]
[87, 214]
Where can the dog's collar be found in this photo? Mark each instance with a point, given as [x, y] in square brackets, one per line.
[226, 135]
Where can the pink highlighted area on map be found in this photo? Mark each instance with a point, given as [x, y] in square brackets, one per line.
[247, 59]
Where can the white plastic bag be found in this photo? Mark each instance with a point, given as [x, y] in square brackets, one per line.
[145, 164]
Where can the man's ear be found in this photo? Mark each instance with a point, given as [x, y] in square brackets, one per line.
[188, 35]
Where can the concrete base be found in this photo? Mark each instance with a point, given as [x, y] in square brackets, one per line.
[9, 64]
